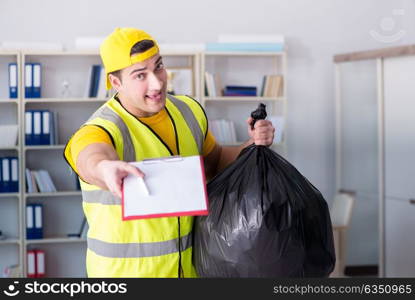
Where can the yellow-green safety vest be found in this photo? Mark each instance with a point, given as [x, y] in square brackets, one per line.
[158, 247]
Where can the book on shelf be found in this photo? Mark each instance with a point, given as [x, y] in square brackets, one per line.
[13, 79]
[9, 175]
[223, 131]
[30, 183]
[39, 181]
[102, 89]
[213, 85]
[218, 85]
[33, 80]
[209, 84]
[34, 221]
[41, 127]
[239, 90]
[96, 87]
[36, 263]
[272, 86]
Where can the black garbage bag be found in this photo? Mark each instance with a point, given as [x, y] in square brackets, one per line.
[265, 220]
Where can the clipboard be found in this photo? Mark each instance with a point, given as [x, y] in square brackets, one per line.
[172, 186]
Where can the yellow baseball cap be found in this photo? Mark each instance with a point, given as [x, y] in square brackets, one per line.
[115, 49]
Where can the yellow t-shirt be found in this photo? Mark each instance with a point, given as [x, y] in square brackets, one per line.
[160, 123]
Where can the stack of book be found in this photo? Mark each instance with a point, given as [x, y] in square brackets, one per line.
[13, 79]
[39, 181]
[96, 87]
[224, 131]
[34, 221]
[41, 127]
[254, 43]
[240, 90]
[35, 263]
[33, 80]
[213, 85]
[272, 86]
[9, 175]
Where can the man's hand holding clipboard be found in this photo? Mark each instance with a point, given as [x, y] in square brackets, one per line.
[172, 186]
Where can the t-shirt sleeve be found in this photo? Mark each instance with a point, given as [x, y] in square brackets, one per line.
[85, 136]
[209, 143]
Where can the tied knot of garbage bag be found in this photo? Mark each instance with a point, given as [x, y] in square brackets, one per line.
[259, 114]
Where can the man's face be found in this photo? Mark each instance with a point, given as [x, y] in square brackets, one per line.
[142, 88]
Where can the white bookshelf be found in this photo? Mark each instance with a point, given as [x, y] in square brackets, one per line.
[246, 69]
[62, 210]
[10, 203]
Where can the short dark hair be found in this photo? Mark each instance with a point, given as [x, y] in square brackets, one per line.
[139, 47]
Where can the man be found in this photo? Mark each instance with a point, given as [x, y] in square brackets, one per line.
[139, 122]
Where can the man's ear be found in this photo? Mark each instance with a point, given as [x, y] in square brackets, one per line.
[115, 81]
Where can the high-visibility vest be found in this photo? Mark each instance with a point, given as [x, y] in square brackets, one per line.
[158, 247]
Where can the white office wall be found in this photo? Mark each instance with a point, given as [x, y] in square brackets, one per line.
[315, 31]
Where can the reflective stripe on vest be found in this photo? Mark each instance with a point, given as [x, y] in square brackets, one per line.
[190, 121]
[108, 114]
[134, 250]
[129, 153]
[100, 196]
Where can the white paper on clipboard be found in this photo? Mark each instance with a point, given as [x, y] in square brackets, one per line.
[176, 187]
